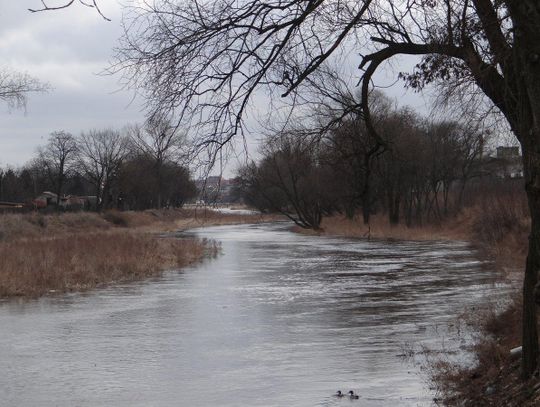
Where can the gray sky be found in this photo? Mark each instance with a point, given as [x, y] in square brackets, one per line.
[67, 49]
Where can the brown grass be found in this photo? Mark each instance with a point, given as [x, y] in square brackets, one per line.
[380, 228]
[494, 379]
[501, 227]
[193, 218]
[180, 219]
[79, 262]
[40, 254]
[36, 225]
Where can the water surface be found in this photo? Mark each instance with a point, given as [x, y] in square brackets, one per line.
[279, 319]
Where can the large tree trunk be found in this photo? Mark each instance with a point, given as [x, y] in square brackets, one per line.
[530, 328]
[526, 54]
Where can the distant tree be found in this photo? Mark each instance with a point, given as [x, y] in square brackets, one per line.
[101, 154]
[177, 186]
[290, 179]
[41, 181]
[351, 149]
[138, 185]
[57, 157]
[453, 149]
[161, 143]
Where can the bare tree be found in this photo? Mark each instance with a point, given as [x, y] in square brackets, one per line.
[58, 157]
[291, 180]
[162, 143]
[208, 59]
[15, 87]
[101, 153]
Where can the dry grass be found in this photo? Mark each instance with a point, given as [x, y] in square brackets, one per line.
[79, 262]
[180, 219]
[501, 227]
[494, 379]
[40, 254]
[35, 225]
[380, 228]
[193, 218]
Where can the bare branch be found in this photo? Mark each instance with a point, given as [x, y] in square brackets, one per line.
[15, 87]
[46, 7]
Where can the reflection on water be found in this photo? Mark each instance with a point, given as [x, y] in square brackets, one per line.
[278, 320]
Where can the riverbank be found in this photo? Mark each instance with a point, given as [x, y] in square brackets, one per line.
[56, 253]
[498, 228]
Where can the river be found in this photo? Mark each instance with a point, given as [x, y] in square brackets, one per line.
[278, 319]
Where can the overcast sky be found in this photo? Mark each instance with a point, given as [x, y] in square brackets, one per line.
[68, 49]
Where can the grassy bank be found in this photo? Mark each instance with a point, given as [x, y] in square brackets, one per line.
[41, 254]
[497, 224]
[499, 228]
[79, 262]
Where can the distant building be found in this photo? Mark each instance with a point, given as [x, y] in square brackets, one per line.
[67, 203]
[45, 199]
[506, 164]
[215, 189]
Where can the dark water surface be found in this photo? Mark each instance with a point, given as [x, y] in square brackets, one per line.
[279, 319]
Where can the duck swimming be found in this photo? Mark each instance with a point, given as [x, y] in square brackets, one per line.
[339, 394]
[353, 396]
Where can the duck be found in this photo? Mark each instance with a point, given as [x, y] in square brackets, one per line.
[339, 394]
[353, 396]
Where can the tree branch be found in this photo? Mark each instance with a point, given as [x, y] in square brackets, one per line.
[46, 7]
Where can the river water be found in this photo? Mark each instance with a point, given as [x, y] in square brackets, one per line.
[279, 319]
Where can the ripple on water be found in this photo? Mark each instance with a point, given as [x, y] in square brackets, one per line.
[279, 319]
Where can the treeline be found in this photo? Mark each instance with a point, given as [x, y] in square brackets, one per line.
[419, 174]
[136, 168]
